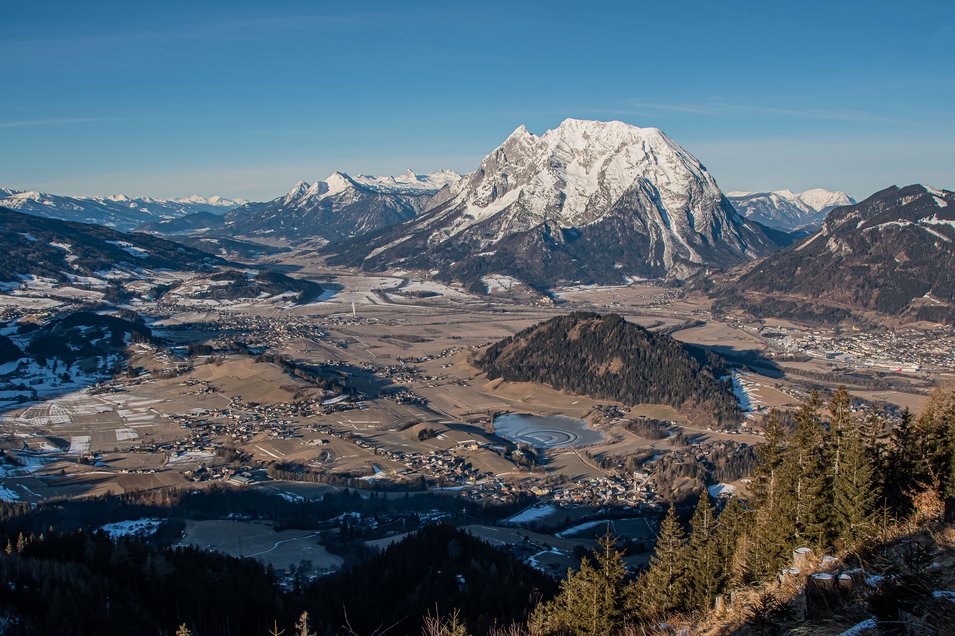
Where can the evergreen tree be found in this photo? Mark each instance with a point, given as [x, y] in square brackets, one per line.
[591, 601]
[852, 475]
[769, 456]
[834, 440]
[936, 442]
[705, 573]
[730, 540]
[872, 428]
[803, 477]
[662, 587]
[183, 631]
[768, 541]
[770, 528]
[903, 472]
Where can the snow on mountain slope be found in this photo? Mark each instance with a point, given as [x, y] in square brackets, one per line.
[411, 182]
[787, 210]
[339, 207]
[893, 253]
[117, 211]
[587, 200]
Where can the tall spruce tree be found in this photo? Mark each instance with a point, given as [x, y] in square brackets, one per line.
[851, 475]
[662, 588]
[769, 458]
[770, 525]
[936, 442]
[591, 601]
[803, 476]
[705, 574]
[768, 541]
[730, 541]
[903, 470]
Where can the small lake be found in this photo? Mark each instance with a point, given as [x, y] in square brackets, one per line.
[546, 431]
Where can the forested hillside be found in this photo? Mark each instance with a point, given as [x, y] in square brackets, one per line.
[607, 357]
[839, 483]
[36, 246]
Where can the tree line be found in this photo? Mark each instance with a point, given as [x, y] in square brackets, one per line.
[836, 483]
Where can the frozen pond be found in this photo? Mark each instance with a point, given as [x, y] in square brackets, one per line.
[546, 431]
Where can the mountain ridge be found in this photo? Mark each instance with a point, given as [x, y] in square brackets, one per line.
[118, 211]
[787, 210]
[629, 198]
[338, 207]
[892, 253]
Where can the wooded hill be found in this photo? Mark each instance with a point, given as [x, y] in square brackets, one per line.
[606, 357]
[37, 246]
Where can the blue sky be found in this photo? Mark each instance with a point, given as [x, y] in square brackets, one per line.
[244, 98]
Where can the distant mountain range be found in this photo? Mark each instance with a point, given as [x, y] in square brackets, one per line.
[590, 202]
[339, 207]
[893, 253]
[787, 210]
[116, 211]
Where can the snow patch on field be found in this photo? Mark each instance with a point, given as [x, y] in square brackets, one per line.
[8, 495]
[125, 434]
[79, 445]
[134, 528]
[533, 513]
[430, 286]
[499, 283]
[743, 390]
[569, 532]
[718, 490]
[191, 456]
[130, 249]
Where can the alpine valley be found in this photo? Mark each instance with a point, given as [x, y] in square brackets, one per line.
[576, 391]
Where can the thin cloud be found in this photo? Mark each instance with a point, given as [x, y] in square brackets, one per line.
[252, 28]
[55, 122]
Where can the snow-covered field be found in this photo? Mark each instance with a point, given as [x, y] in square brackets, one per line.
[533, 513]
[136, 527]
[80, 445]
[191, 456]
[8, 495]
[429, 286]
[746, 392]
[497, 283]
[581, 527]
[716, 490]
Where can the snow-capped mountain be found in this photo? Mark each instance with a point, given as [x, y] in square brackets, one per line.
[339, 207]
[787, 210]
[893, 253]
[117, 211]
[587, 201]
